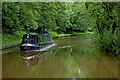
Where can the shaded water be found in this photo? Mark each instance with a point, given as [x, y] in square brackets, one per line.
[71, 57]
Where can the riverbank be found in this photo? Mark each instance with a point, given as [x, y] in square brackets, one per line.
[8, 39]
[55, 35]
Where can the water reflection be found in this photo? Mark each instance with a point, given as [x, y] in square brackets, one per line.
[29, 58]
[32, 57]
[63, 49]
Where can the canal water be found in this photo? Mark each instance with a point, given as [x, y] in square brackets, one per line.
[70, 57]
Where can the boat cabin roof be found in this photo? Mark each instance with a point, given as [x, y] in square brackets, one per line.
[32, 34]
[36, 34]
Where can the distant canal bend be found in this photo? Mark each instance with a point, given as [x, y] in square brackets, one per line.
[71, 57]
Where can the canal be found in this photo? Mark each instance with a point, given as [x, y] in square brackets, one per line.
[70, 57]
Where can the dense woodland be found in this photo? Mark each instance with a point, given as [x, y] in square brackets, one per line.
[58, 17]
[64, 18]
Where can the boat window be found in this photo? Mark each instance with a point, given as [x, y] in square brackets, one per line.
[31, 40]
[34, 38]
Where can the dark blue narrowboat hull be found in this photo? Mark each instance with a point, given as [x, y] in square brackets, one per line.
[37, 46]
[28, 48]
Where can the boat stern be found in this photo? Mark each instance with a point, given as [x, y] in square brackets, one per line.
[27, 46]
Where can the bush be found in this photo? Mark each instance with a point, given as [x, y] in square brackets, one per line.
[110, 42]
[54, 34]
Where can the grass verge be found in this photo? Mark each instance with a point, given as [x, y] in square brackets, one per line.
[8, 39]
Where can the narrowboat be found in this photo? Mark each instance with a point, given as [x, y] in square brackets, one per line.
[35, 41]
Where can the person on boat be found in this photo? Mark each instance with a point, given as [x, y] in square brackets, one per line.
[27, 38]
[46, 32]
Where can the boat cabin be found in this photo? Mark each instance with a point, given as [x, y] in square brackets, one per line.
[35, 40]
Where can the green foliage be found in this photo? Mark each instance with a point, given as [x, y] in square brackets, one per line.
[64, 17]
[81, 19]
[8, 39]
[57, 16]
[106, 15]
[110, 42]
